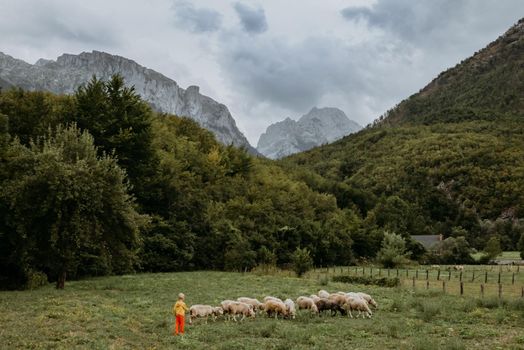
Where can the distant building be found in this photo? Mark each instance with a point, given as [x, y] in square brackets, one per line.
[427, 241]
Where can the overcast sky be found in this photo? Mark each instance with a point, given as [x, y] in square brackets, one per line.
[271, 59]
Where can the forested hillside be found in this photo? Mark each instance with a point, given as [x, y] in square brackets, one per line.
[96, 183]
[449, 159]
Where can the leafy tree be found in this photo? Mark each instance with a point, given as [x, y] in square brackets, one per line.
[492, 248]
[302, 261]
[120, 122]
[452, 251]
[64, 200]
[393, 252]
[521, 246]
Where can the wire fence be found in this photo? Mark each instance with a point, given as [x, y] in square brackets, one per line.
[472, 280]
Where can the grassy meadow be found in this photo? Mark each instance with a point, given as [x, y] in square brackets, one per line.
[134, 312]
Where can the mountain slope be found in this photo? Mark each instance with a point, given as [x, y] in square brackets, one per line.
[64, 75]
[487, 85]
[450, 159]
[319, 126]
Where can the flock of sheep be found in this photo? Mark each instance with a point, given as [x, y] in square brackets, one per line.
[339, 302]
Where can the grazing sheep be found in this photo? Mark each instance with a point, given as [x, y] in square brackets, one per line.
[275, 306]
[198, 310]
[314, 297]
[324, 304]
[435, 267]
[290, 308]
[323, 294]
[307, 303]
[257, 305]
[237, 308]
[225, 307]
[458, 268]
[272, 298]
[368, 299]
[358, 304]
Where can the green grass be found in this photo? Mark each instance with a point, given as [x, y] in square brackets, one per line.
[135, 312]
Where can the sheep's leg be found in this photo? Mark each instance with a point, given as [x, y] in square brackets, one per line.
[235, 318]
[190, 319]
[243, 316]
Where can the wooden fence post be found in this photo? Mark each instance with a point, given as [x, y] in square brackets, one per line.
[444, 287]
[499, 278]
[413, 282]
[371, 271]
[522, 292]
[461, 288]
[427, 284]
[460, 278]
[363, 270]
[513, 278]
[427, 275]
[449, 275]
[500, 290]
[407, 272]
[438, 275]
[416, 274]
[473, 276]
[486, 277]
[482, 290]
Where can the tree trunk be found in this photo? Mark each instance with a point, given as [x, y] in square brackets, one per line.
[60, 282]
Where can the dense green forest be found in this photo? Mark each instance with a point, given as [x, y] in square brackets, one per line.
[449, 159]
[97, 183]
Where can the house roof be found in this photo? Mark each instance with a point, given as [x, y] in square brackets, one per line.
[427, 240]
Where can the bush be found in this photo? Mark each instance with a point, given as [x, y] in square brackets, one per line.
[302, 261]
[393, 252]
[35, 279]
[368, 280]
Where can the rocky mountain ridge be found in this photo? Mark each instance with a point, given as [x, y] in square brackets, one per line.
[69, 71]
[319, 126]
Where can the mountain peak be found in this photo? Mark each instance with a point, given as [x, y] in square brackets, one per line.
[317, 127]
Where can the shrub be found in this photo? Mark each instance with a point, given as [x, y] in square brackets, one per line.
[35, 279]
[368, 280]
[302, 261]
[393, 251]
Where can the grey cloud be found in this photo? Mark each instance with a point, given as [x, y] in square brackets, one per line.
[53, 21]
[428, 23]
[196, 20]
[253, 19]
[298, 76]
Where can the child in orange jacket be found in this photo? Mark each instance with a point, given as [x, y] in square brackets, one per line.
[179, 310]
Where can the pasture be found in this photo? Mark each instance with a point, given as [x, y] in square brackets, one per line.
[134, 312]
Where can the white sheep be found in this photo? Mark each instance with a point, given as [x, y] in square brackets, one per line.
[238, 308]
[323, 294]
[272, 298]
[290, 306]
[368, 299]
[274, 306]
[315, 298]
[198, 310]
[257, 305]
[307, 303]
[358, 304]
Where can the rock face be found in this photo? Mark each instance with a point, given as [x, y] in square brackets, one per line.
[319, 126]
[68, 72]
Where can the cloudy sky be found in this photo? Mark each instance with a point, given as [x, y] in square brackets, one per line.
[271, 59]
